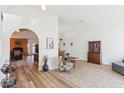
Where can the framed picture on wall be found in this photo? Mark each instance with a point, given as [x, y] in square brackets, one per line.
[50, 43]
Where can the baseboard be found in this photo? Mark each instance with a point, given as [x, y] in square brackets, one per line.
[82, 60]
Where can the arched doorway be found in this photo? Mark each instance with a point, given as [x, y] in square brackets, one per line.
[24, 47]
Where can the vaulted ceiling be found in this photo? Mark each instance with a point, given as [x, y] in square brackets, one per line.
[91, 14]
[77, 15]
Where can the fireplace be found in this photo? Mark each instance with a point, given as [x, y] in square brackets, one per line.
[16, 53]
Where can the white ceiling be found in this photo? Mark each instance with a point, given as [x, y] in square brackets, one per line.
[25, 33]
[70, 15]
[89, 14]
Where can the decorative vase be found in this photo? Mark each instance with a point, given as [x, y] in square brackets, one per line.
[5, 68]
[45, 66]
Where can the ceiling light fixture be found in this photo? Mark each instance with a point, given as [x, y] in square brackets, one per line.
[43, 7]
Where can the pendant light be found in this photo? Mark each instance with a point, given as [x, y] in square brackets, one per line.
[43, 7]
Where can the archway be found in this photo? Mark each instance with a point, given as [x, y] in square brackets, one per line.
[24, 46]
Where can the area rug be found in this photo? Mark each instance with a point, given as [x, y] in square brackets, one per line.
[88, 75]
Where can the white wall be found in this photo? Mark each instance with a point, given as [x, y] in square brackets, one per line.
[31, 46]
[111, 36]
[0, 37]
[1, 74]
[46, 26]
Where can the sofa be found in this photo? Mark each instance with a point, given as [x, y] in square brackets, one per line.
[118, 67]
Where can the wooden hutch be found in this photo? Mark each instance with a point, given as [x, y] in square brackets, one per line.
[94, 52]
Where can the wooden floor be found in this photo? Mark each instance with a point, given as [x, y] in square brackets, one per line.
[29, 77]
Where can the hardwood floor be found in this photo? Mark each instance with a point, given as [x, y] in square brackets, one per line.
[29, 77]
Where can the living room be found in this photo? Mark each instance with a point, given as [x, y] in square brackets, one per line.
[105, 25]
[86, 23]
